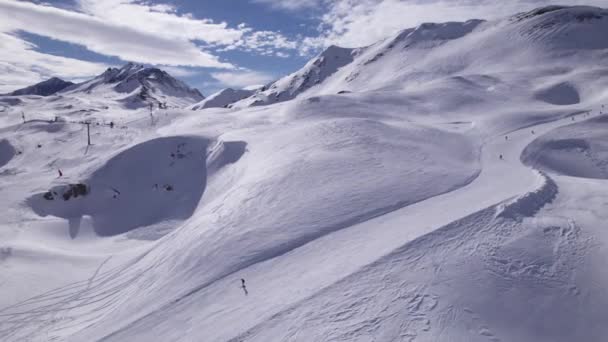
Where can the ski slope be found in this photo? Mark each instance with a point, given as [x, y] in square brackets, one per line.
[305, 272]
[434, 186]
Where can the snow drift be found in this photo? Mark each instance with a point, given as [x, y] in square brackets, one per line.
[578, 150]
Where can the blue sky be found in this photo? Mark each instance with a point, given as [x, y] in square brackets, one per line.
[210, 44]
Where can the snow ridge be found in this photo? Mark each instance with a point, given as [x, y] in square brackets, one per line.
[530, 203]
[44, 88]
[313, 73]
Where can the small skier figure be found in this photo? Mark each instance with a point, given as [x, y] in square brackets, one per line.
[115, 193]
[506, 137]
[244, 287]
[500, 157]
[60, 173]
[532, 131]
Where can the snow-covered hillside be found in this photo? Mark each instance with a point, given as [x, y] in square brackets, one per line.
[222, 98]
[447, 183]
[468, 51]
[313, 73]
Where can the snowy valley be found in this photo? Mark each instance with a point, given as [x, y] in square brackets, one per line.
[447, 183]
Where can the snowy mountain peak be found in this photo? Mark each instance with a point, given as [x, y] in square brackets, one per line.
[142, 85]
[44, 88]
[113, 75]
[313, 73]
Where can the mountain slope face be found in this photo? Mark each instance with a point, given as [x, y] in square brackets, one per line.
[137, 86]
[313, 73]
[44, 88]
[223, 98]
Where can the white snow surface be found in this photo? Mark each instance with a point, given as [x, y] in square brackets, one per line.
[222, 98]
[454, 190]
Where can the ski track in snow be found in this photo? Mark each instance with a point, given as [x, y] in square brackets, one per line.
[404, 294]
[69, 307]
[360, 238]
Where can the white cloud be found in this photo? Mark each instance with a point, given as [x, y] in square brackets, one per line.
[291, 5]
[107, 37]
[179, 71]
[134, 30]
[242, 79]
[131, 30]
[21, 65]
[161, 21]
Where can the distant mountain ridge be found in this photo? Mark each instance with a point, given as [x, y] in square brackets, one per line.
[44, 88]
[132, 86]
[431, 51]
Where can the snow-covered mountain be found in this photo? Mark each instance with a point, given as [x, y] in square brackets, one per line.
[223, 98]
[44, 88]
[433, 51]
[313, 73]
[135, 85]
[132, 86]
[448, 183]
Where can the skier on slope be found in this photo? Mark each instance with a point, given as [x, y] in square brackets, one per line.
[244, 287]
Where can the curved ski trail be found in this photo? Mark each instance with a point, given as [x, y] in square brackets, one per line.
[308, 269]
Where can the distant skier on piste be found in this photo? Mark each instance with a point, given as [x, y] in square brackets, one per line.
[244, 287]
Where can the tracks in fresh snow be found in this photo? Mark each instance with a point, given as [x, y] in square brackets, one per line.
[304, 271]
[311, 268]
